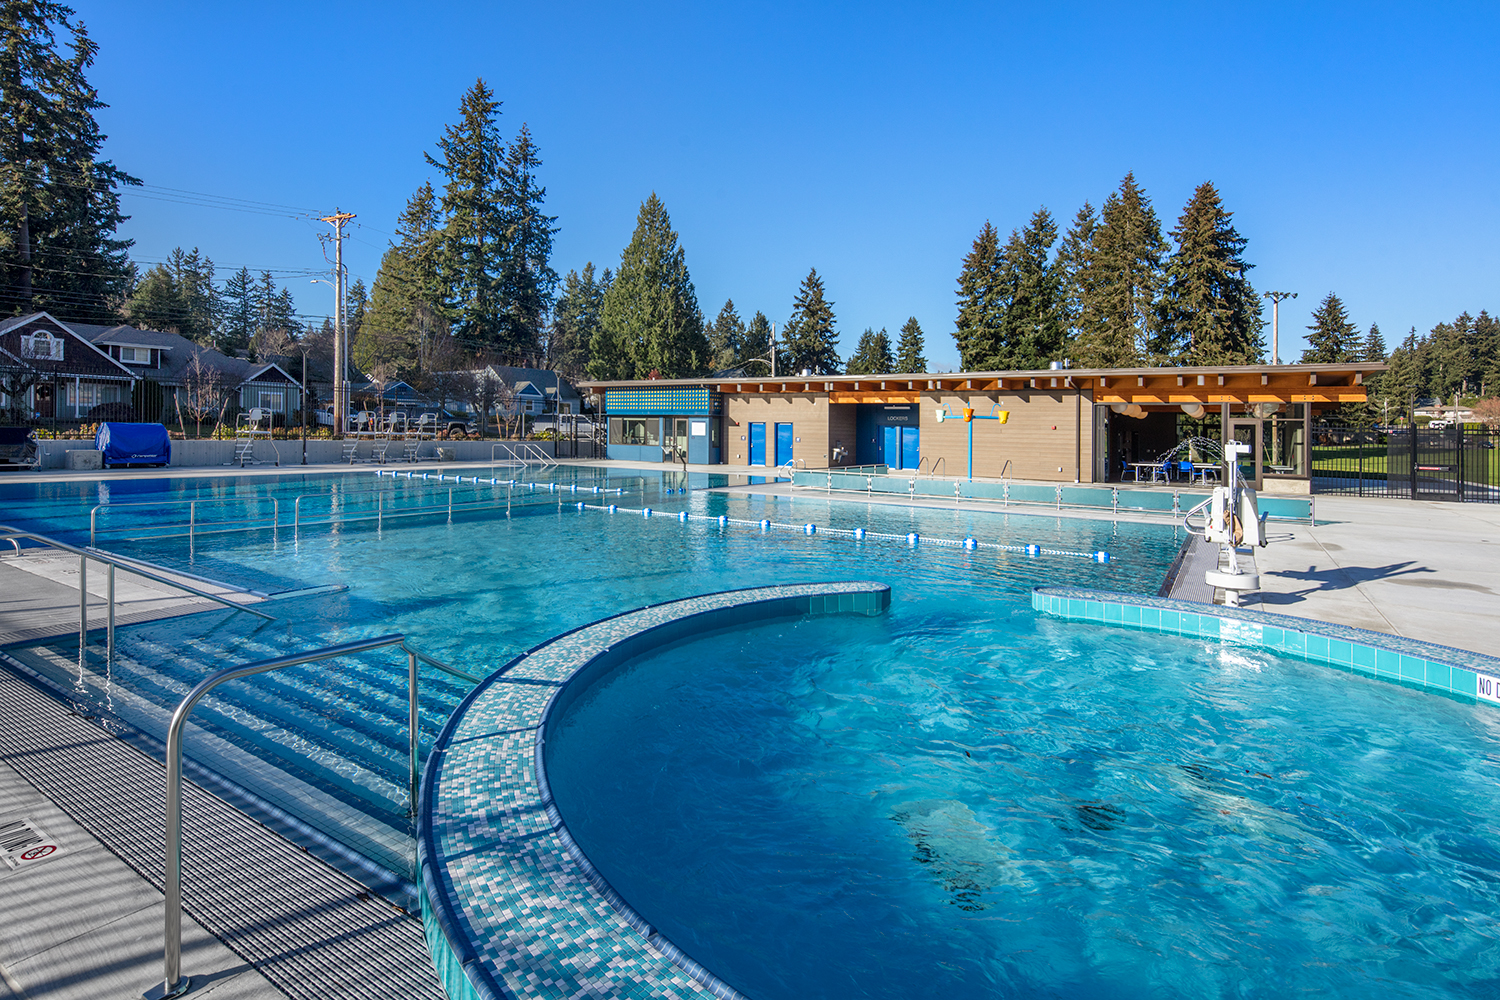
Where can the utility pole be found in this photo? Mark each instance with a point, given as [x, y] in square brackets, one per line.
[340, 345]
[1276, 298]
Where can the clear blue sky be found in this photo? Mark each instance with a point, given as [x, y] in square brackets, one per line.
[1355, 143]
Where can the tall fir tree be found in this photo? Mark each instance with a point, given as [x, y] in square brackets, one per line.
[59, 201]
[473, 246]
[1032, 330]
[1373, 348]
[726, 338]
[981, 302]
[1209, 313]
[1080, 309]
[1126, 266]
[241, 311]
[757, 345]
[910, 356]
[528, 284]
[1401, 383]
[406, 308]
[576, 319]
[278, 311]
[178, 296]
[1332, 337]
[810, 341]
[651, 325]
[872, 355]
[356, 304]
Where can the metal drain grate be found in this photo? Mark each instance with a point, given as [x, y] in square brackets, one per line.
[315, 933]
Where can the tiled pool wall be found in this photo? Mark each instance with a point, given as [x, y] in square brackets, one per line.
[1160, 501]
[510, 905]
[1457, 673]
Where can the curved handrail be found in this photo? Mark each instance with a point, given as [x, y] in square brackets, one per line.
[173, 982]
[1188, 527]
[192, 511]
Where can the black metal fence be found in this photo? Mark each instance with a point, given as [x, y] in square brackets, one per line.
[1414, 463]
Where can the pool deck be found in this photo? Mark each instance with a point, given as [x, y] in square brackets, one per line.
[90, 921]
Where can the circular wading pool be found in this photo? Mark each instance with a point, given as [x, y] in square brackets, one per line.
[948, 804]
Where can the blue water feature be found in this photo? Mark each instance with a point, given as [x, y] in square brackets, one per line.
[962, 800]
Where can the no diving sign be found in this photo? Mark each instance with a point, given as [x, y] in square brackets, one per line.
[23, 843]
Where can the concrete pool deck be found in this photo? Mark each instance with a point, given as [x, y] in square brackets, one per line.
[1422, 570]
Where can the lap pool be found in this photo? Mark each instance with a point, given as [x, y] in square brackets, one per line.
[957, 798]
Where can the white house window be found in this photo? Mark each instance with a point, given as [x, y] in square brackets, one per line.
[42, 346]
[270, 401]
[135, 355]
[88, 395]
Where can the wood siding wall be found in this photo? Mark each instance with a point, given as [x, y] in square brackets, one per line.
[1038, 440]
[806, 412]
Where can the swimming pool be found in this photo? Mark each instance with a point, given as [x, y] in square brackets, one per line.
[326, 743]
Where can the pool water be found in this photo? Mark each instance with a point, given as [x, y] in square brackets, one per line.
[964, 800]
[326, 742]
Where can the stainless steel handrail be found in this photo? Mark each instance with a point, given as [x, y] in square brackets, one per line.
[11, 534]
[192, 512]
[173, 982]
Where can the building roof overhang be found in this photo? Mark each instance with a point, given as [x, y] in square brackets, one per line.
[1327, 383]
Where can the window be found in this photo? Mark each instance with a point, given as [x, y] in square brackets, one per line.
[633, 430]
[42, 346]
[529, 406]
[564, 407]
[135, 355]
[270, 401]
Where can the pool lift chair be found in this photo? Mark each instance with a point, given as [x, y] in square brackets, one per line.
[1234, 523]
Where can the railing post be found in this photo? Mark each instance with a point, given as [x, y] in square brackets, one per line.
[412, 724]
[173, 984]
[93, 527]
[450, 503]
[192, 519]
[110, 646]
[83, 607]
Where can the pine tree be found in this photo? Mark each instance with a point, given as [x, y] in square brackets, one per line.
[278, 313]
[726, 338]
[406, 308]
[59, 202]
[872, 355]
[981, 302]
[1209, 312]
[757, 345]
[1374, 345]
[1079, 281]
[651, 325]
[356, 304]
[909, 353]
[178, 296]
[241, 312]
[1031, 330]
[576, 319]
[528, 283]
[474, 241]
[1127, 271]
[1402, 381]
[1332, 337]
[810, 340]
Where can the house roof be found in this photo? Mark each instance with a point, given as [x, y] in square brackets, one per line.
[91, 362]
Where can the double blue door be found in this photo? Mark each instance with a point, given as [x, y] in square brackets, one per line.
[901, 447]
[757, 444]
[783, 443]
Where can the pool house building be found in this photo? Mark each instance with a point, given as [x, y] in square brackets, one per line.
[1057, 425]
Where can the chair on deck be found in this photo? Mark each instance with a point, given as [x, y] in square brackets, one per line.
[18, 448]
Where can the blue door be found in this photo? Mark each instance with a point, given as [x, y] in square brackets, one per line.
[910, 452]
[757, 444]
[891, 452]
[783, 443]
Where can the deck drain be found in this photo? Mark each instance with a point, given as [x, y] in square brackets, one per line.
[22, 844]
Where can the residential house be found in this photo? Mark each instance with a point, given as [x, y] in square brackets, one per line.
[56, 373]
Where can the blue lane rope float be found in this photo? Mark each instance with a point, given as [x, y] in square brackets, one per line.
[969, 543]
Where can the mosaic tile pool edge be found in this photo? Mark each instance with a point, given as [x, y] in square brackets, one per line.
[507, 908]
[1457, 673]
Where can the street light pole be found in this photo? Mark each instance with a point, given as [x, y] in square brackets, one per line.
[1276, 298]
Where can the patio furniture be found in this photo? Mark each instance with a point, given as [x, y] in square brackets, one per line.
[18, 449]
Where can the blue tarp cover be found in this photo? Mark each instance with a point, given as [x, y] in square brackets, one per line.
[124, 444]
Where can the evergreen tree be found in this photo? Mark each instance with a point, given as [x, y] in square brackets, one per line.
[278, 313]
[1374, 345]
[178, 296]
[651, 325]
[981, 302]
[406, 300]
[474, 243]
[1127, 274]
[1487, 355]
[726, 338]
[1332, 337]
[356, 304]
[576, 319]
[757, 344]
[872, 355]
[810, 340]
[1402, 381]
[59, 202]
[1209, 312]
[527, 281]
[1081, 316]
[1032, 332]
[909, 353]
[241, 312]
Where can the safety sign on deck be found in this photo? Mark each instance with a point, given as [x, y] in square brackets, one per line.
[23, 843]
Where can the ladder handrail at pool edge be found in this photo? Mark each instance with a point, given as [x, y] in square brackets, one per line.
[173, 984]
[192, 511]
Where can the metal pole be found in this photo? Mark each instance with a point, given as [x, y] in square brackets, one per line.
[110, 648]
[192, 519]
[412, 723]
[83, 606]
